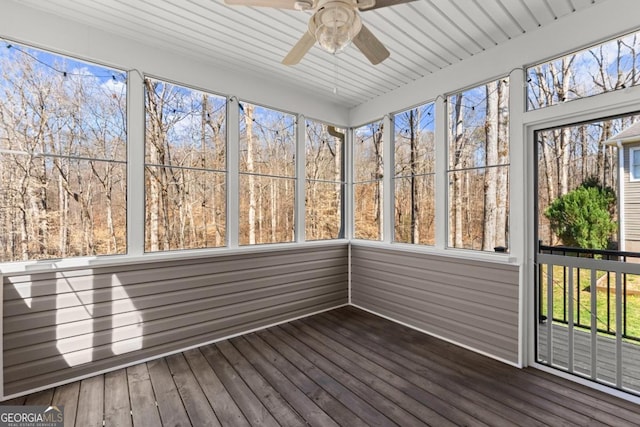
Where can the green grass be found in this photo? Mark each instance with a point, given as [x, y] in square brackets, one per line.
[582, 300]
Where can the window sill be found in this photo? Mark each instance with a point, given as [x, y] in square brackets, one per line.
[463, 254]
[43, 266]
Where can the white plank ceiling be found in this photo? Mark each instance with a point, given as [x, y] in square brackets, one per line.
[423, 36]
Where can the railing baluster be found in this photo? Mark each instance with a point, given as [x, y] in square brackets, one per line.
[570, 320]
[540, 294]
[549, 313]
[618, 331]
[594, 325]
[564, 294]
[624, 296]
[609, 301]
[578, 290]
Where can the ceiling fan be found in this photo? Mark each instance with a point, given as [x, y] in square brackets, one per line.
[334, 24]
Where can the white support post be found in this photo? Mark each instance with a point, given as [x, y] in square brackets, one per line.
[441, 178]
[518, 165]
[301, 181]
[387, 180]
[233, 167]
[519, 243]
[348, 185]
[135, 163]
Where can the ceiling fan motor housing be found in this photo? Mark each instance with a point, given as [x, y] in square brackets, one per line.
[335, 24]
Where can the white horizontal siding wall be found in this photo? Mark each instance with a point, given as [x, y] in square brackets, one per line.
[66, 324]
[468, 302]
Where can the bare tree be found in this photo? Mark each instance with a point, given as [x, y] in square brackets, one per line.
[502, 216]
[414, 136]
[491, 173]
[378, 203]
[457, 150]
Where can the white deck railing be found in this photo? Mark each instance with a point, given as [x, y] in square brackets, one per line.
[575, 271]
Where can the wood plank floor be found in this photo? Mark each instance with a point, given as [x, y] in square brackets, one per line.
[343, 367]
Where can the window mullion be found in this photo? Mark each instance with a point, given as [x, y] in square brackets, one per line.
[441, 178]
[387, 179]
[348, 209]
[135, 165]
[233, 167]
[301, 182]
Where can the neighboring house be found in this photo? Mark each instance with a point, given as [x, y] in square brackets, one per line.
[628, 143]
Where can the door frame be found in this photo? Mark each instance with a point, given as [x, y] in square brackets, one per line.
[592, 108]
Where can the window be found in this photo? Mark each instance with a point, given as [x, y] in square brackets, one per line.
[367, 185]
[478, 172]
[572, 160]
[62, 157]
[267, 175]
[634, 167]
[185, 168]
[324, 181]
[414, 178]
[606, 67]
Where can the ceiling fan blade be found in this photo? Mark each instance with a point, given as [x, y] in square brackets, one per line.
[385, 3]
[299, 49]
[370, 46]
[278, 4]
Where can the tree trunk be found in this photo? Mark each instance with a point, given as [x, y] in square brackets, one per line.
[274, 210]
[40, 206]
[414, 120]
[491, 173]
[112, 241]
[203, 163]
[248, 119]
[164, 204]
[562, 82]
[24, 230]
[502, 217]
[378, 203]
[584, 146]
[183, 207]
[606, 167]
[153, 188]
[565, 156]
[216, 222]
[457, 182]
[63, 202]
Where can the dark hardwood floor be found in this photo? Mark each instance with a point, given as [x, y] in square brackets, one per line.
[343, 367]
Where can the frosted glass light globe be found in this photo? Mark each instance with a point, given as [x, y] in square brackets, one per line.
[336, 26]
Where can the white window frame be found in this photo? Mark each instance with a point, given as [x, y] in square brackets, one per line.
[444, 200]
[632, 176]
[394, 177]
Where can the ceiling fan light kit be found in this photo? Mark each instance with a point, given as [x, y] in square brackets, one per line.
[303, 5]
[334, 25]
